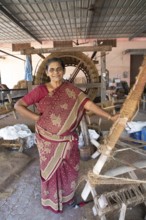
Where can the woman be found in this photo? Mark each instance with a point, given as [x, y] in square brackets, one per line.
[61, 106]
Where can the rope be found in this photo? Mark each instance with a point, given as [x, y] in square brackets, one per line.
[121, 121]
[135, 113]
[135, 194]
[107, 147]
[132, 148]
[95, 179]
[129, 164]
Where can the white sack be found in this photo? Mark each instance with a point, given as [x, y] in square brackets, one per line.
[92, 135]
[134, 126]
[15, 132]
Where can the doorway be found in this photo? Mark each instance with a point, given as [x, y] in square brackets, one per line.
[135, 63]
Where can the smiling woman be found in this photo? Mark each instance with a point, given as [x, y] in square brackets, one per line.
[61, 106]
[55, 71]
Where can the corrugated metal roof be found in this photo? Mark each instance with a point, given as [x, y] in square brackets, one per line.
[42, 20]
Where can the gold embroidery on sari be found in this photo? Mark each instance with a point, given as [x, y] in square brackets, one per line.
[47, 150]
[64, 106]
[55, 160]
[56, 120]
[55, 195]
[43, 148]
[73, 185]
[77, 167]
[46, 193]
[50, 94]
[43, 158]
[70, 93]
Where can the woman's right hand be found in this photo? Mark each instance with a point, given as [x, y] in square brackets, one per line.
[23, 110]
[37, 117]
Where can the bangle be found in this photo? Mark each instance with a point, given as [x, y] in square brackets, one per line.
[109, 117]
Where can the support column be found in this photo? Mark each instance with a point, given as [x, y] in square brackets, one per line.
[85, 151]
[103, 74]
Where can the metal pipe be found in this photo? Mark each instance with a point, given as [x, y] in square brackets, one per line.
[11, 55]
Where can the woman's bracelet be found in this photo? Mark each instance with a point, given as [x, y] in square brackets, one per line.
[109, 117]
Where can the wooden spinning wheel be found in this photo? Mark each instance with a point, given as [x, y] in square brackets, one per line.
[79, 64]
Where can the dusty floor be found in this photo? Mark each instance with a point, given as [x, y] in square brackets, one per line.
[20, 198]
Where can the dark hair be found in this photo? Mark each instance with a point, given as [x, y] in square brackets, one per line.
[55, 59]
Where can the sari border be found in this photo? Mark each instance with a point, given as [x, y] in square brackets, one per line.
[74, 113]
[49, 204]
[55, 162]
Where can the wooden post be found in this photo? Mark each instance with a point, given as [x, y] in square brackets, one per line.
[29, 85]
[103, 72]
[85, 151]
[11, 102]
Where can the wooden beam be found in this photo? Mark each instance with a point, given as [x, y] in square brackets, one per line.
[62, 43]
[88, 85]
[18, 47]
[65, 49]
[141, 51]
[103, 71]
[112, 42]
[40, 55]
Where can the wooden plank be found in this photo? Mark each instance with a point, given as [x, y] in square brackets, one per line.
[65, 49]
[40, 55]
[125, 169]
[136, 51]
[62, 43]
[18, 47]
[103, 72]
[87, 85]
[112, 42]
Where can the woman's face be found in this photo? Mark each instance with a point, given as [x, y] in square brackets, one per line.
[55, 72]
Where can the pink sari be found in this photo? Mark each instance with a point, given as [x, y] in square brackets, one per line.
[57, 141]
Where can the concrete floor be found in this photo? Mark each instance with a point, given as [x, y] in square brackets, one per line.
[20, 200]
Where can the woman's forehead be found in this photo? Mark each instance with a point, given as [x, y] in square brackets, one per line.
[52, 64]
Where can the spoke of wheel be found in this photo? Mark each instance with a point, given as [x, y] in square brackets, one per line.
[75, 72]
